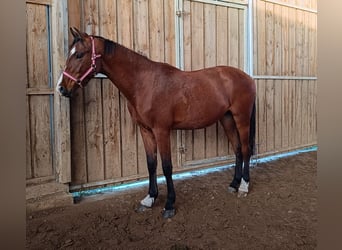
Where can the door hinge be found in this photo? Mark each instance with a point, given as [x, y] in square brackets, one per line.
[182, 149]
[181, 13]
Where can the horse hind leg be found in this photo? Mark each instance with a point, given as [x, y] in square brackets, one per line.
[232, 134]
[246, 149]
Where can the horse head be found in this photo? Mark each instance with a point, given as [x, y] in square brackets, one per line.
[81, 64]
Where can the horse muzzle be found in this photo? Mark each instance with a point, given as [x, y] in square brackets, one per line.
[64, 92]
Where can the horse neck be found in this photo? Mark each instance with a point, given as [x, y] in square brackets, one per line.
[123, 67]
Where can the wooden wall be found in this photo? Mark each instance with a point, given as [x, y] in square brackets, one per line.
[105, 146]
[285, 68]
[213, 35]
[39, 94]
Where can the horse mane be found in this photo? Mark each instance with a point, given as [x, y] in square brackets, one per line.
[110, 46]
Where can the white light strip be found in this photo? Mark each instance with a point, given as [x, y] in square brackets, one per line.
[187, 175]
[285, 77]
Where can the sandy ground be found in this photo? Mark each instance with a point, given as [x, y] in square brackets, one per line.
[280, 212]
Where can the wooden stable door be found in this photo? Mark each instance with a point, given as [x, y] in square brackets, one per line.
[39, 95]
[213, 34]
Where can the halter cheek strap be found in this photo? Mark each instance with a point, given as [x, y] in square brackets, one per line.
[92, 68]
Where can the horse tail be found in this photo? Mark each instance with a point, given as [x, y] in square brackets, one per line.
[252, 127]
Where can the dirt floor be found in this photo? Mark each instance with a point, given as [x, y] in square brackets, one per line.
[280, 212]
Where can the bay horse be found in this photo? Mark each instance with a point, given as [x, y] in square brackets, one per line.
[161, 98]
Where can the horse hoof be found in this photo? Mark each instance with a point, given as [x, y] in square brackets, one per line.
[142, 208]
[232, 189]
[242, 194]
[168, 213]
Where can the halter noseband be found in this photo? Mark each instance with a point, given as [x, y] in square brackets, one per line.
[92, 68]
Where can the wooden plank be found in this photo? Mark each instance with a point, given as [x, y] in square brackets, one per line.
[40, 119]
[315, 111]
[141, 25]
[40, 91]
[107, 19]
[111, 99]
[299, 71]
[74, 16]
[313, 45]
[262, 117]
[269, 39]
[78, 139]
[187, 135]
[141, 45]
[187, 35]
[77, 123]
[93, 105]
[292, 110]
[260, 35]
[156, 30]
[285, 41]
[278, 122]
[94, 131]
[128, 129]
[305, 95]
[62, 156]
[111, 130]
[305, 114]
[277, 70]
[278, 46]
[233, 29]
[210, 61]
[242, 38]
[37, 46]
[28, 141]
[222, 35]
[169, 32]
[222, 59]
[298, 112]
[197, 36]
[285, 114]
[41, 2]
[285, 83]
[39, 112]
[270, 115]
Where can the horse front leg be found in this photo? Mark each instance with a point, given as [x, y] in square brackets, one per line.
[163, 141]
[151, 157]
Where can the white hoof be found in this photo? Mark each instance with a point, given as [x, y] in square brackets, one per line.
[241, 194]
[147, 201]
[243, 189]
[231, 189]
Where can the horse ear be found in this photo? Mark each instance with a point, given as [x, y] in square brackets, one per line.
[77, 34]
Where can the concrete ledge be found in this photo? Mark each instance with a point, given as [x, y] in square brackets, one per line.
[47, 195]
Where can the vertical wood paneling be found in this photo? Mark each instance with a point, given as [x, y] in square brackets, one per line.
[39, 118]
[277, 70]
[156, 30]
[284, 43]
[142, 45]
[111, 99]
[29, 173]
[169, 32]
[78, 136]
[222, 59]
[128, 129]
[197, 33]
[233, 36]
[210, 61]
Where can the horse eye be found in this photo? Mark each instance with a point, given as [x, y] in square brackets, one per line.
[79, 55]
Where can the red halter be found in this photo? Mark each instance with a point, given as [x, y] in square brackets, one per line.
[92, 68]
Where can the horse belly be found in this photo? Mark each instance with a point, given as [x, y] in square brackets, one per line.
[198, 116]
